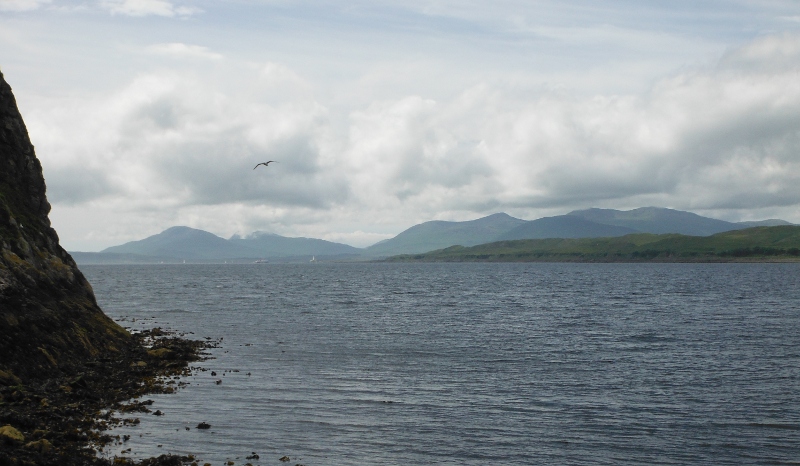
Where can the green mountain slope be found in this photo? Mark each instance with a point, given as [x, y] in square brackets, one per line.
[760, 243]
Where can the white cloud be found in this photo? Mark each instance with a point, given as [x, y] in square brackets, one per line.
[147, 8]
[22, 5]
[181, 50]
[172, 140]
[765, 54]
[179, 147]
[710, 139]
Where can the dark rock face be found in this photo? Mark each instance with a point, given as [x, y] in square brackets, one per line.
[49, 319]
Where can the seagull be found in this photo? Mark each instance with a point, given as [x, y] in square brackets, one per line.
[266, 164]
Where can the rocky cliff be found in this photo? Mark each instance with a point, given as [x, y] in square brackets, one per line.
[49, 319]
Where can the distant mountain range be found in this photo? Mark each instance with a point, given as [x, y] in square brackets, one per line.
[184, 243]
[756, 244]
[439, 234]
[590, 223]
[659, 221]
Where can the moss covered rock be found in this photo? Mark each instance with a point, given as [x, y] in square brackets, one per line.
[10, 434]
[49, 319]
[40, 446]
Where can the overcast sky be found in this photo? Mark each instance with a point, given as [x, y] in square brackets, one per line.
[385, 113]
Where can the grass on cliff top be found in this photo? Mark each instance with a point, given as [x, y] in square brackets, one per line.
[768, 243]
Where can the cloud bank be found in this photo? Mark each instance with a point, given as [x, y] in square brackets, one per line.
[147, 8]
[178, 147]
[22, 5]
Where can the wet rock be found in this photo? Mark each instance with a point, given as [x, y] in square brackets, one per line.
[78, 382]
[158, 413]
[49, 319]
[64, 365]
[284, 459]
[254, 456]
[165, 460]
[10, 434]
[204, 425]
[136, 406]
[40, 446]
[8, 378]
[161, 353]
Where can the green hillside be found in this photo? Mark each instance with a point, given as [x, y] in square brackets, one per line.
[752, 244]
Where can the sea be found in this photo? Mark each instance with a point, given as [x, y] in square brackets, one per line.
[471, 363]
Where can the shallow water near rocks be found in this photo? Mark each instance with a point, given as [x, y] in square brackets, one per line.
[475, 364]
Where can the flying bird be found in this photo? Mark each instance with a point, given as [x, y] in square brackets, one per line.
[266, 164]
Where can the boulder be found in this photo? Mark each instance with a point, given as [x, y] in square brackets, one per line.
[8, 433]
[41, 446]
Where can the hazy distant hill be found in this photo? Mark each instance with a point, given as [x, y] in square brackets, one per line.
[773, 222]
[183, 243]
[439, 234]
[198, 245]
[778, 243]
[590, 223]
[658, 220]
[272, 245]
[563, 226]
[116, 258]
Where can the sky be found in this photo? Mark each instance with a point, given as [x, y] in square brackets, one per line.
[383, 114]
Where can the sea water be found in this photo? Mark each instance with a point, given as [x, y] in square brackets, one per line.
[473, 364]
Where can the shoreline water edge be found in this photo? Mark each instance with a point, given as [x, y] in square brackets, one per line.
[65, 366]
[63, 420]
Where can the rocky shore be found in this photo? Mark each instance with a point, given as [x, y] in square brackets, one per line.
[63, 420]
[65, 366]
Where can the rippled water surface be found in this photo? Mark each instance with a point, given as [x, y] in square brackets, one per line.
[355, 364]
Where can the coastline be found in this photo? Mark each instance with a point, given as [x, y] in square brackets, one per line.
[62, 420]
[595, 260]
